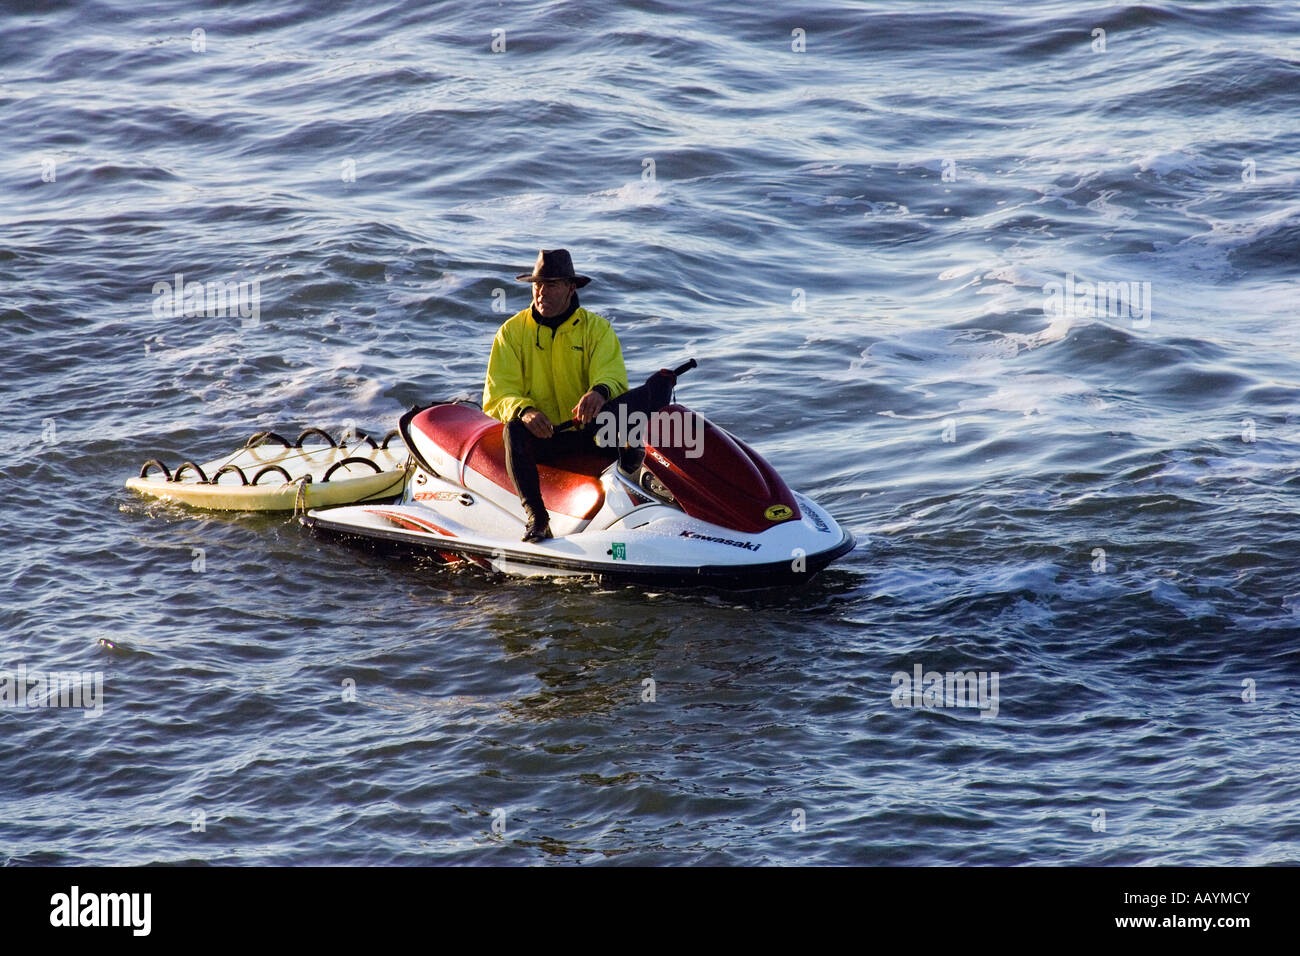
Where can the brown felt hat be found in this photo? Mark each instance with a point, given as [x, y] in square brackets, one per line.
[553, 264]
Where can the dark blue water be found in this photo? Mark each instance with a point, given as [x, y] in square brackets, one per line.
[866, 244]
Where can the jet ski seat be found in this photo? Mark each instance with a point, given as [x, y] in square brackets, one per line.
[570, 486]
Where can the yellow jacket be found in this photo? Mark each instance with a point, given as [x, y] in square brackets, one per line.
[530, 365]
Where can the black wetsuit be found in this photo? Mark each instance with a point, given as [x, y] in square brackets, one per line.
[524, 450]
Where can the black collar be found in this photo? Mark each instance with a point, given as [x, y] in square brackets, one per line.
[554, 322]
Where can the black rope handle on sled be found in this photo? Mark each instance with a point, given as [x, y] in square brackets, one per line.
[350, 461]
[176, 475]
[243, 478]
[315, 431]
[155, 463]
[262, 438]
[258, 477]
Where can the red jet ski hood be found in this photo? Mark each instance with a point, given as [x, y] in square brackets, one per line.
[726, 483]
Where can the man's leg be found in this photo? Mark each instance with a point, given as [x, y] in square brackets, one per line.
[646, 399]
[521, 465]
[524, 451]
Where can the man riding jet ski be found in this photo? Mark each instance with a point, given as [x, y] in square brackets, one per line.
[602, 480]
[553, 361]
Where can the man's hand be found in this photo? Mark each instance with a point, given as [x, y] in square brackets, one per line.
[537, 423]
[588, 406]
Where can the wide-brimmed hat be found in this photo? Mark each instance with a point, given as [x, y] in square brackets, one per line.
[553, 264]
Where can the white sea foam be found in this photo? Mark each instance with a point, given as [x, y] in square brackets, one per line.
[1162, 162]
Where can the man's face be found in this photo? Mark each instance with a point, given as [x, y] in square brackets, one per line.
[551, 296]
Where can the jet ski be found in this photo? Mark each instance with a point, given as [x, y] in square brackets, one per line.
[669, 511]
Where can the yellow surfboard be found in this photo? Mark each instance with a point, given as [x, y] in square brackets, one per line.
[270, 474]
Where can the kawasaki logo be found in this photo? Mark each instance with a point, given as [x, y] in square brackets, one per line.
[747, 545]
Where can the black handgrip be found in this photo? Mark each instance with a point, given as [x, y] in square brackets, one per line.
[679, 370]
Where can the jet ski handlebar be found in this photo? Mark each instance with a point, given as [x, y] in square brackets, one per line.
[675, 373]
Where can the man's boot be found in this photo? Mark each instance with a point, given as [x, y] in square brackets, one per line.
[630, 458]
[539, 523]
